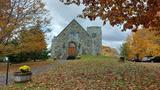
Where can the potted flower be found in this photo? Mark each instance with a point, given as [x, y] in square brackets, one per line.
[23, 75]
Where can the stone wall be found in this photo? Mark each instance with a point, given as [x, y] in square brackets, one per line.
[96, 39]
[87, 42]
[72, 33]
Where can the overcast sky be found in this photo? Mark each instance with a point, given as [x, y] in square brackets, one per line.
[62, 15]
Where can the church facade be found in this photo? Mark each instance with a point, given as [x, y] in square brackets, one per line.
[75, 40]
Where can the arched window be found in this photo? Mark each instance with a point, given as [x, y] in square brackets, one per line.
[72, 44]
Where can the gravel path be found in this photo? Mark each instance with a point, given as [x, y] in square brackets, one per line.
[35, 70]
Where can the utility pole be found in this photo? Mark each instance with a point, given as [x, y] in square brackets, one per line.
[6, 58]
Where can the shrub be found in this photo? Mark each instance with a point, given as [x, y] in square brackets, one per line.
[23, 57]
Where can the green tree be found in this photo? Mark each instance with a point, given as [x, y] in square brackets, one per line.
[124, 51]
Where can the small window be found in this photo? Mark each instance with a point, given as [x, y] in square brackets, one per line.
[73, 33]
[93, 35]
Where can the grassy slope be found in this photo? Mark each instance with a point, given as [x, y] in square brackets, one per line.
[96, 73]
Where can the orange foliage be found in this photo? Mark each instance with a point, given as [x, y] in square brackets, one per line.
[17, 15]
[29, 41]
[32, 41]
[129, 13]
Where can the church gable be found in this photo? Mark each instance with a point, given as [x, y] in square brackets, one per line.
[75, 40]
[72, 27]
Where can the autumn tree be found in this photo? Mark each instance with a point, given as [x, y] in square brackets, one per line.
[108, 51]
[130, 14]
[144, 42]
[19, 15]
[29, 45]
[32, 40]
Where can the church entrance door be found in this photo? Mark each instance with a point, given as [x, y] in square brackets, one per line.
[72, 49]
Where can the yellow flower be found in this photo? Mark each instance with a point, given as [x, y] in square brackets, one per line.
[24, 68]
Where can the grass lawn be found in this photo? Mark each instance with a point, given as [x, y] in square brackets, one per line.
[96, 73]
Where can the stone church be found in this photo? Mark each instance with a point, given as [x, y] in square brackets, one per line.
[75, 40]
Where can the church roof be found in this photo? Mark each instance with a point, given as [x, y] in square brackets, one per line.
[73, 21]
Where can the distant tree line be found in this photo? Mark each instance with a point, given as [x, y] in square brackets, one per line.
[23, 57]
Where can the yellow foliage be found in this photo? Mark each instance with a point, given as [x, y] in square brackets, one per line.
[144, 42]
[15, 16]
[32, 41]
[107, 51]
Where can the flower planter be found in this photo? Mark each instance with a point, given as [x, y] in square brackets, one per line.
[22, 77]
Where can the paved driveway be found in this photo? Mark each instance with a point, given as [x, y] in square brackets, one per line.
[35, 70]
